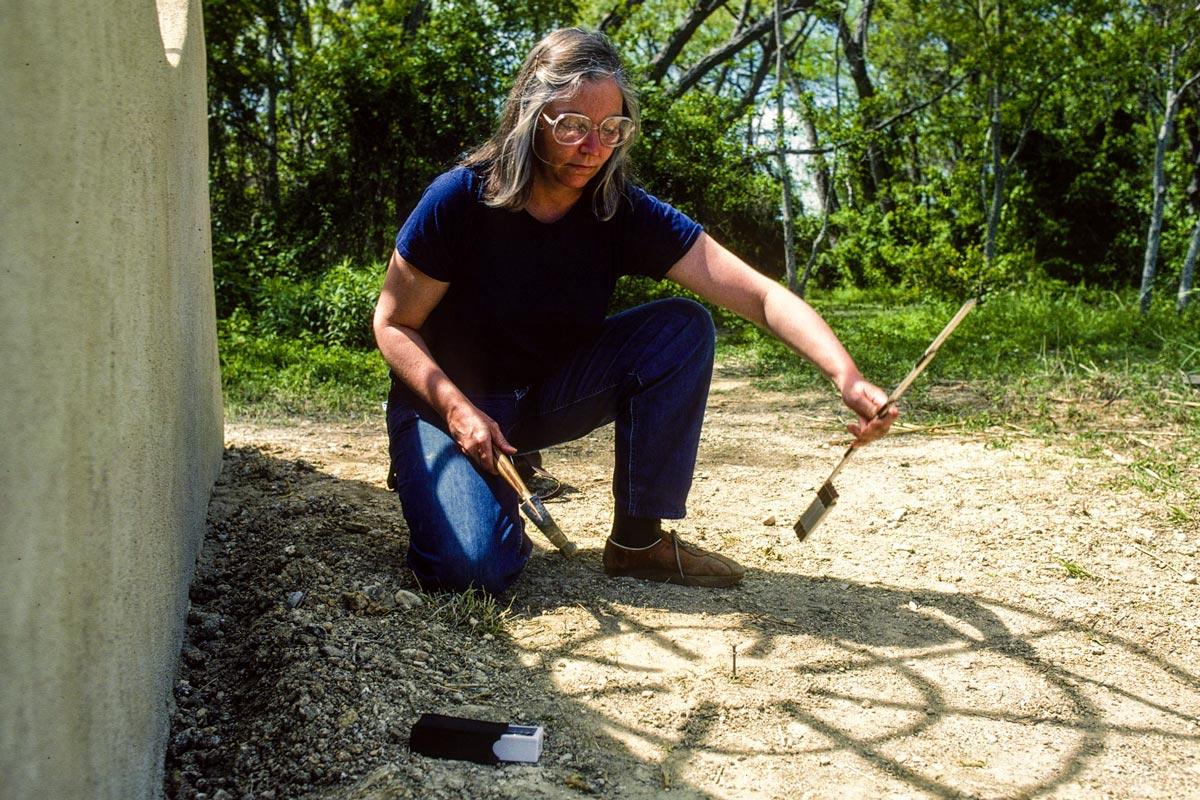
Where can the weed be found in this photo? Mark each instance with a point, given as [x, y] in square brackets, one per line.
[1075, 571]
[474, 609]
[1179, 515]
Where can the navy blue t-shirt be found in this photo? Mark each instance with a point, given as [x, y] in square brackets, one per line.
[525, 294]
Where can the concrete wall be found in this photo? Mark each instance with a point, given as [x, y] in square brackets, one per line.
[110, 410]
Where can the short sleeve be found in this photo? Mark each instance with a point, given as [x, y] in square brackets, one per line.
[654, 235]
[431, 235]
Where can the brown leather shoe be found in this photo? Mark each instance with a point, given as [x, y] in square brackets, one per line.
[671, 560]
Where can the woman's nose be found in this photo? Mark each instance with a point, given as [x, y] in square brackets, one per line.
[591, 142]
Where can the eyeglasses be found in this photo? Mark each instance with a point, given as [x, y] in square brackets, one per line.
[571, 129]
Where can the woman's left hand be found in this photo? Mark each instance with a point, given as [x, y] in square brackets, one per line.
[865, 400]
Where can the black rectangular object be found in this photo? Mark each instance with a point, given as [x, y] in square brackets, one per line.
[454, 737]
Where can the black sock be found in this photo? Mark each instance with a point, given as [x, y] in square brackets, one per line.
[636, 531]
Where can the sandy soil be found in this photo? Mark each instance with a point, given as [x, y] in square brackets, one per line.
[982, 615]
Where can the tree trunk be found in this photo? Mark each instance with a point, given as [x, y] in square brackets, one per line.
[1154, 234]
[273, 191]
[998, 175]
[785, 171]
[822, 173]
[1189, 269]
[854, 45]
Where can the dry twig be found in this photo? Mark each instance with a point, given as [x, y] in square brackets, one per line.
[1161, 561]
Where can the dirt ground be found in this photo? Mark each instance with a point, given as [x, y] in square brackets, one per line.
[984, 614]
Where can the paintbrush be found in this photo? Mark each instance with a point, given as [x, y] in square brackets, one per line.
[532, 505]
[827, 495]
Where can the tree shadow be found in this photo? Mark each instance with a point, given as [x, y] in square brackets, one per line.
[925, 643]
[314, 698]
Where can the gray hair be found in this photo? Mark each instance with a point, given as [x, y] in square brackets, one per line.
[554, 70]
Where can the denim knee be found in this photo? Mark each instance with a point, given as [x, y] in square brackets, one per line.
[490, 572]
[485, 550]
[697, 327]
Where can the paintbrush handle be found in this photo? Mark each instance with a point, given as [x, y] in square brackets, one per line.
[508, 471]
[927, 356]
[920, 366]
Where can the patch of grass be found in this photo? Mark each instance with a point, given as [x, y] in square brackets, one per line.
[1075, 571]
[1154, 475]
[1042, 335]
[473, 609]
[1177, 515]
[265, 376]
[1045, 358]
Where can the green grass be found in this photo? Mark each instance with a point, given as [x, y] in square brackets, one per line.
[1073, 570]
[267, 376]
[473, 609]
[1028, 357]
[1036, 334]
[1177, 515]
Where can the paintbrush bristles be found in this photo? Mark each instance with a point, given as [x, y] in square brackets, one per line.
[826, 499]
[537, 512]
[810, 519]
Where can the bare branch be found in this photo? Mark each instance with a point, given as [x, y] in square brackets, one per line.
[1027, 122]
[760, 77]
[894, 118]
[682, 35]
[1188, 83]
[734, 46]
[614, 19]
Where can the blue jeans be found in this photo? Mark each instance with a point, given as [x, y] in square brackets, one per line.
[648, 370]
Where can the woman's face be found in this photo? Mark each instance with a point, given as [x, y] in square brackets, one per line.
[572, 166]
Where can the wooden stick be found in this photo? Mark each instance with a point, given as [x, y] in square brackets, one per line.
[827, 494]
[508, 471]
[1159, 560]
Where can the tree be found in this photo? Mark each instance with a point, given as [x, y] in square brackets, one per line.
[1188, 271]
[878, 168]
[785, 170]
[1173, 30]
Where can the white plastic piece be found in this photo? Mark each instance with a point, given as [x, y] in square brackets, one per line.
[520, 743]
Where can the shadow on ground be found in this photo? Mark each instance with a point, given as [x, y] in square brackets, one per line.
[306, 665]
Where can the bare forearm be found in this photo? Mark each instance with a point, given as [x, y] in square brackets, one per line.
[720, 277]
[796, 324]
[407, 354]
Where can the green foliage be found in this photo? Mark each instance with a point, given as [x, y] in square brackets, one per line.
[267, 374]
[686, 156]
[327, 121]
[1043, 331]
[335, 308]
[346, 299]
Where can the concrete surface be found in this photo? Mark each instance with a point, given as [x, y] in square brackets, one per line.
[110, 410]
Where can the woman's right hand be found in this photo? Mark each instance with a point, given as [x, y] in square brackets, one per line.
[477, 435]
